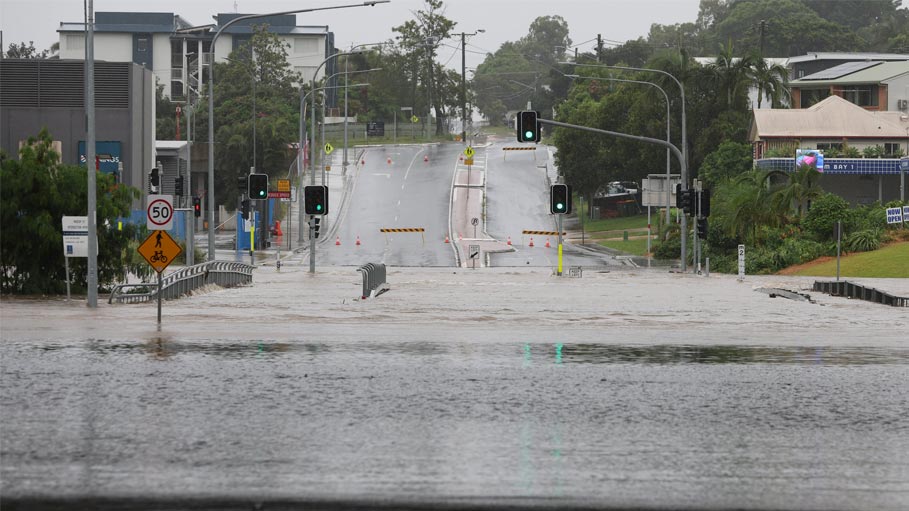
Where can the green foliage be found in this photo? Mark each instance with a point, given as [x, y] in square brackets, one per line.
[864, 240]
[825, 211]
[873, 151]
[729, 160]
[37, 192]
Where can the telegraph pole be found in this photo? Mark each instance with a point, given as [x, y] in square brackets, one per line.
[90, 164]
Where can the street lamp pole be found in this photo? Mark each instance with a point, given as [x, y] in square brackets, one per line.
[346, 70]
[684, 140]
[211, 104]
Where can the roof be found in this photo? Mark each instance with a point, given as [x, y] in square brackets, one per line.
[170, 145]
[847, 56]
[130, 22]
[877, 73]
[833, 118]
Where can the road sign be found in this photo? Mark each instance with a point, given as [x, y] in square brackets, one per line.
[284, 185]
[279, 195]
[414, 119]
[906, 214]
[160, 212]
[741, 262]
[894, 215]
[75, 236]
[468, 162]
[473, 251]
[159, 249]
[469, 152]
[474, 221]
[329, 148]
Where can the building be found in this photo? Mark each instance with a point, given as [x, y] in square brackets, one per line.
[177, 52]
[812, 63]
[872, 84]
[36, 94]
[835, 125]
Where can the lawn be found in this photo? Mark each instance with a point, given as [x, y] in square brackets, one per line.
[619, 224]
[637, 246]
[891, 261]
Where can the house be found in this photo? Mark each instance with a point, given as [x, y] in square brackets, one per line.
[177, 52]
[835, 125]
[872, 84]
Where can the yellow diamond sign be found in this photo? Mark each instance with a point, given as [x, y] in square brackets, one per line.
[329, 148]
[159, 249]
[469, 152]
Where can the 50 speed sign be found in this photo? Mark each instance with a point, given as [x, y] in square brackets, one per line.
[160, 212]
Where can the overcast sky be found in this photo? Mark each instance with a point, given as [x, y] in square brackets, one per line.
[503, 20]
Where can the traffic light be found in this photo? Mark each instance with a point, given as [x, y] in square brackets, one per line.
[702, 228]
[241, 184]
[178, 186]
[316, 223]
[197, 206]
[258, 186]
[528, 129]
[154, 179]
[315, 200]
[244, 208]
[685, 200]
[560, 199]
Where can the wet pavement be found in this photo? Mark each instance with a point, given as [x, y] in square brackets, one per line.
[466, 389]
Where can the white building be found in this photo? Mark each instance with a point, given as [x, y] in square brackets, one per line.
[177, 51]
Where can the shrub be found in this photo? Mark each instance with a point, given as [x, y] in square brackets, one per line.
[824, 212]
[864, 240]
[851, 152]
[873, 151]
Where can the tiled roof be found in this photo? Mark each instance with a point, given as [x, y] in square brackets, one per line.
[833, 117]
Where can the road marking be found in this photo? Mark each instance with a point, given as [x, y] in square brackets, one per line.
[399, 203]
[385, 175]
[415, 156]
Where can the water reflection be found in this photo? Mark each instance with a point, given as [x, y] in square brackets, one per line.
[559, 353]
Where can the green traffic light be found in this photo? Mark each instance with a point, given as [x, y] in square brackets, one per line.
[318, 207]
[528, 135]
[560, 206]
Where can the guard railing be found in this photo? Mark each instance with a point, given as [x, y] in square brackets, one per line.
[184, 281]
[373, 279]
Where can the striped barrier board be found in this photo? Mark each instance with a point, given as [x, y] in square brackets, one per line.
[545, 233]
[406, 229]
[519, 148]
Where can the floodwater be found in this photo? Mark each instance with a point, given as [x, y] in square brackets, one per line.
[510, 422]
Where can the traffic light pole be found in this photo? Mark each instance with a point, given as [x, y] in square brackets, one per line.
[670, 146]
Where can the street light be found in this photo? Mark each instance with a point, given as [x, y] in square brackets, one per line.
[464, 82]
[211, 104]
[684, 138]
[346, 70]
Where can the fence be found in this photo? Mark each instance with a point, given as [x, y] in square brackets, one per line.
[852, 290]
[373, 279]
[185, 280]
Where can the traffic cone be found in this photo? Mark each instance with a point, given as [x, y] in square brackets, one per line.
[460, 158]
[426, 158]
[460, 238]
[363, 162]
[358, 240]
[446, 239]
[509, 240]
[338, 240]
[531, 241]
[547, 243]
[389, 160]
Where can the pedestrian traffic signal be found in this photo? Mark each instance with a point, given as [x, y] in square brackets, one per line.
[705, 203]
[702, 228]
[178, 186]
[528, 129]
[244, 208]
[316, 223]
[560, 199]
[197, 206]
[258, 186]
[315, 200]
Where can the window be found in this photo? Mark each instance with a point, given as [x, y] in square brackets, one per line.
[861, 95]
[142, 44]
[811, 96]
[892, 149]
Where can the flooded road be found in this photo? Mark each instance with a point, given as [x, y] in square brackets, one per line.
[471, 389]
[439, 421]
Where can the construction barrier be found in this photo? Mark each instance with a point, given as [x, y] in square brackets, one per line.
[406, 229]
[519, 148]
[544, 233]
[853, 290]
[373, 279]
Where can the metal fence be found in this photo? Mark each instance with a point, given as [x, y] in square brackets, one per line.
[185, 280]
[852, 290]
[373, 279]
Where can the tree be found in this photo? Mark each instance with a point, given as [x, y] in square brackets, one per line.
[732, 75]
[37, 192]
[771, 81]
[27, 51]
[728, 161]
[800, 189]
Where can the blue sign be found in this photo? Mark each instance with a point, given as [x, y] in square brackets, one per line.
[107, 153]
[904, 164]
[894, 215]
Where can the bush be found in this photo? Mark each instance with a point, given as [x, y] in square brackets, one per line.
[824, 212]
[864, 241]
[671, 246]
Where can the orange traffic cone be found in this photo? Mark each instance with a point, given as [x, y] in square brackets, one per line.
[389, 160]
[460, 238]
[338, 240]
[547, 243]
[531, 241]
[460, 158]
[509, 240]
[358, 240]
[446, 239]
[426, 158]
[362, 162]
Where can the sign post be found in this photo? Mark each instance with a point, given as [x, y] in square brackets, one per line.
[473, 251]
[75, 242]
[160, 213]
[741, 263]
[159, 250]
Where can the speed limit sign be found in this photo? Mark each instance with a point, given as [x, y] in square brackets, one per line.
[160, 212]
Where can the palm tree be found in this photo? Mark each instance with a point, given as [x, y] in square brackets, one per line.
[800, 189]
[731, 74]
[771, 81]
[747, 204]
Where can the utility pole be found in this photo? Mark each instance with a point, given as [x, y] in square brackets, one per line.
[599, 47]
[90, 160]
[763, 28]
[464, 83]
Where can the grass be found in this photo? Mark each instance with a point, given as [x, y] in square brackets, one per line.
[637, 246]
[891, 261]
[617, 224]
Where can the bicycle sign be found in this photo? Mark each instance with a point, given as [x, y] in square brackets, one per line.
[160, 212]
[159, 249]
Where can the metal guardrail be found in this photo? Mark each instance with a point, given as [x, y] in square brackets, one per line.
[853, 290]
[373, 279]
[184, 280]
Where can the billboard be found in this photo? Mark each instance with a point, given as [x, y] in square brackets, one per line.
[107, 153]
[811, 157]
